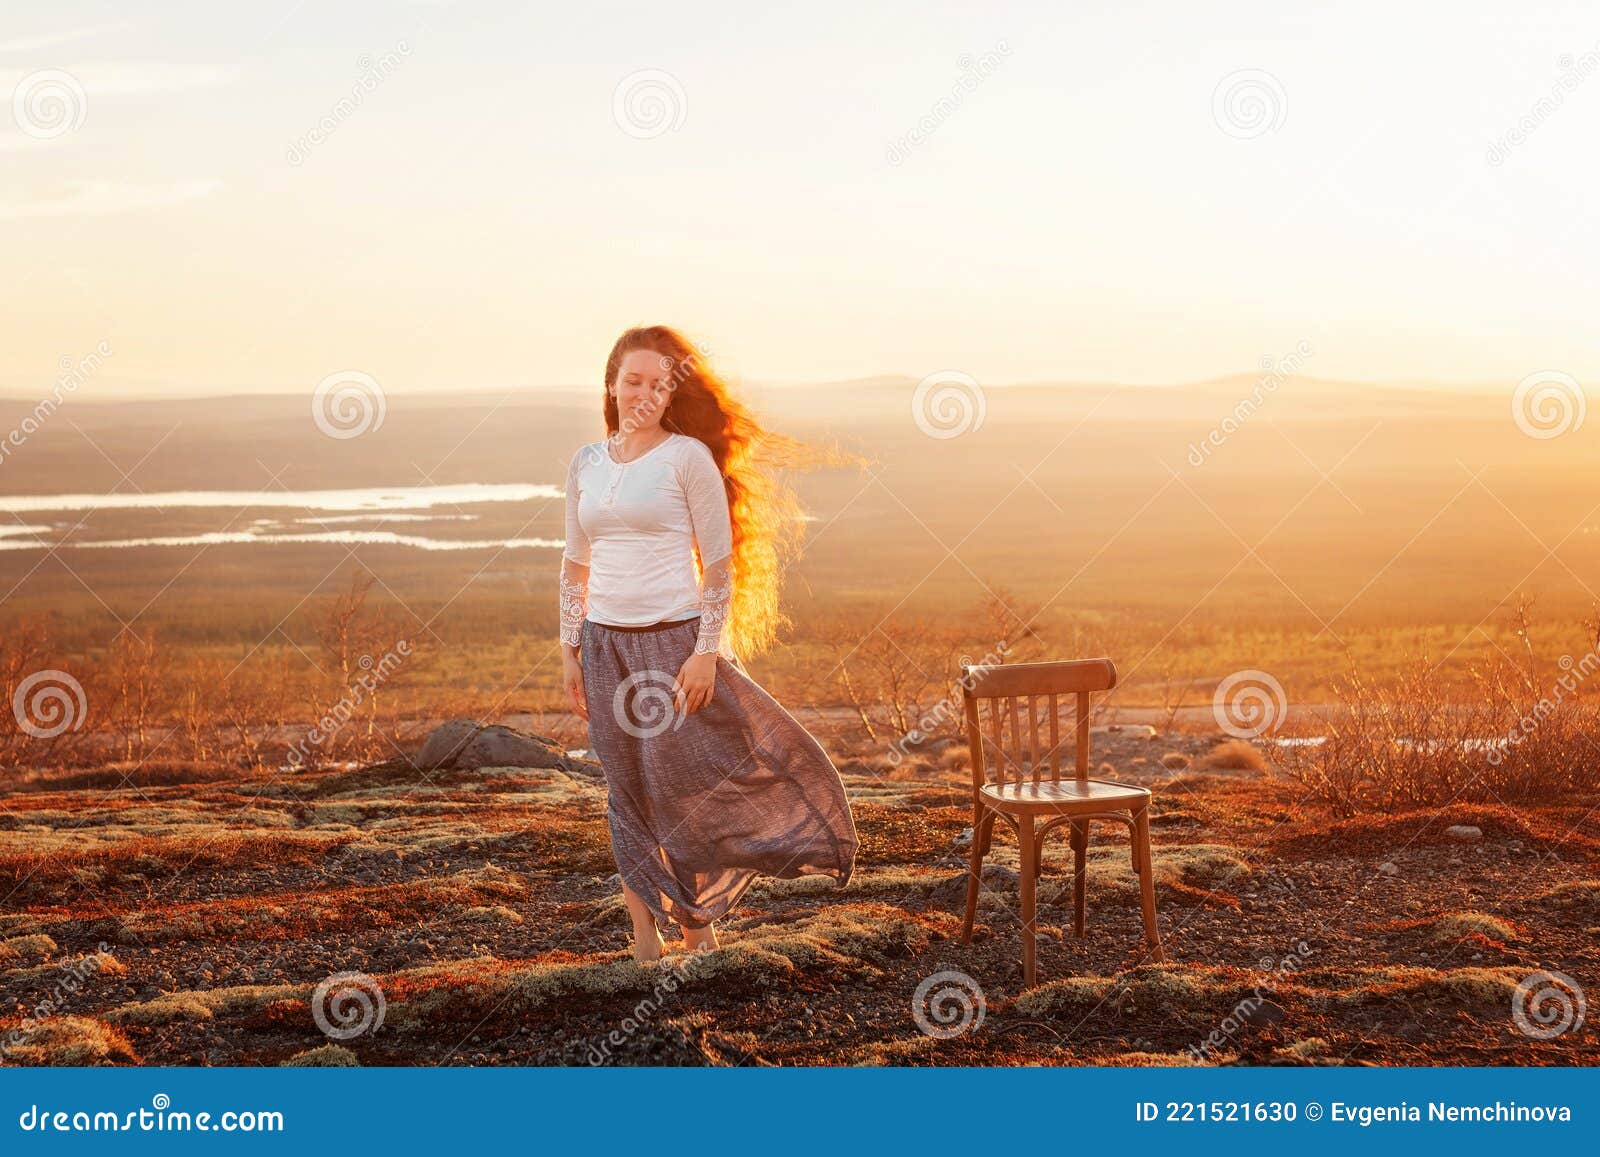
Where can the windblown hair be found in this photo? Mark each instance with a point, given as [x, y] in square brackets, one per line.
[767, 518]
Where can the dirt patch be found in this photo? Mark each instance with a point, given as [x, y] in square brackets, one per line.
[481, 911]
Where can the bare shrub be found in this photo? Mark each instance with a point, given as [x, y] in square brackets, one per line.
[25, 651]
[1529, 734]
[134, 676]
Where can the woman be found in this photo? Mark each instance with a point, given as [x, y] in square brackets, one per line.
[670, 572]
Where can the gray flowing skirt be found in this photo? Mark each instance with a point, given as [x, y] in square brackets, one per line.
[701, 803]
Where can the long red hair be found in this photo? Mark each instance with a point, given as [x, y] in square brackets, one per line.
[767, 518]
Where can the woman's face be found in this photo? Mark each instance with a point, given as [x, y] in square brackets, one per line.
[643, 389]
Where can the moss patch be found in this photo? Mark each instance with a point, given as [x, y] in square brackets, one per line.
[74, 1041]
[328, 1056]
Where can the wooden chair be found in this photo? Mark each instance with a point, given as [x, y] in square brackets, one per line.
[1023, 788]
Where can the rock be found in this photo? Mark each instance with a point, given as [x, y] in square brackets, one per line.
[1265, 1014]
[466, 744]
[952, 892]
[1466, 833]
[1389, 868]
[445, 742]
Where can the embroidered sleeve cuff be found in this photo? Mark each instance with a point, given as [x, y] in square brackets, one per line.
[574, 604]
[716, 595]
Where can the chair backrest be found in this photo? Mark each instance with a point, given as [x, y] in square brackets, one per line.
[1005, 687]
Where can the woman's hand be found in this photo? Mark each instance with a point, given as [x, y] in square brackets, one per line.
[572, 679]
[696, 680]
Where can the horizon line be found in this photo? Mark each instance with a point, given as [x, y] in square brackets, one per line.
[882, 379]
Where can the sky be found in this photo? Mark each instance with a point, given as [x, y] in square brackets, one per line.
[482, 195]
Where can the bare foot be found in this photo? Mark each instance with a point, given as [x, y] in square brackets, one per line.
[650, 949]
[701, 939]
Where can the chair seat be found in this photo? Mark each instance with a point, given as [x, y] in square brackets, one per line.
[1067, 795]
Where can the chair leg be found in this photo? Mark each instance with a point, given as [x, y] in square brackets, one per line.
[1025, 835]
[1080, 876]
[982, 824]
[1147, 884]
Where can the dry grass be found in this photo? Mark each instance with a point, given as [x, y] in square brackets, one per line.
[204, 1004]
[846, 939]
[328, 1056]
[1198, 872]
[21, 950]
[1455, 926]
[304, 913]
[74, 1041]
[1579, 897]
[1233, 755]
[1202, 993]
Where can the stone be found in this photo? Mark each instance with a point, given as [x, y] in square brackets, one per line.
[1130, 730]
[444, 743]
[1389, 868]
[1466, 833]
[1265, 1014]
[466, 744]
[952, 892]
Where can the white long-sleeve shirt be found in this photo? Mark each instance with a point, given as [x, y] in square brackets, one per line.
[634, 526]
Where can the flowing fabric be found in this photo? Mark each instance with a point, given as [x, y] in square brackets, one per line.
[701, 803]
